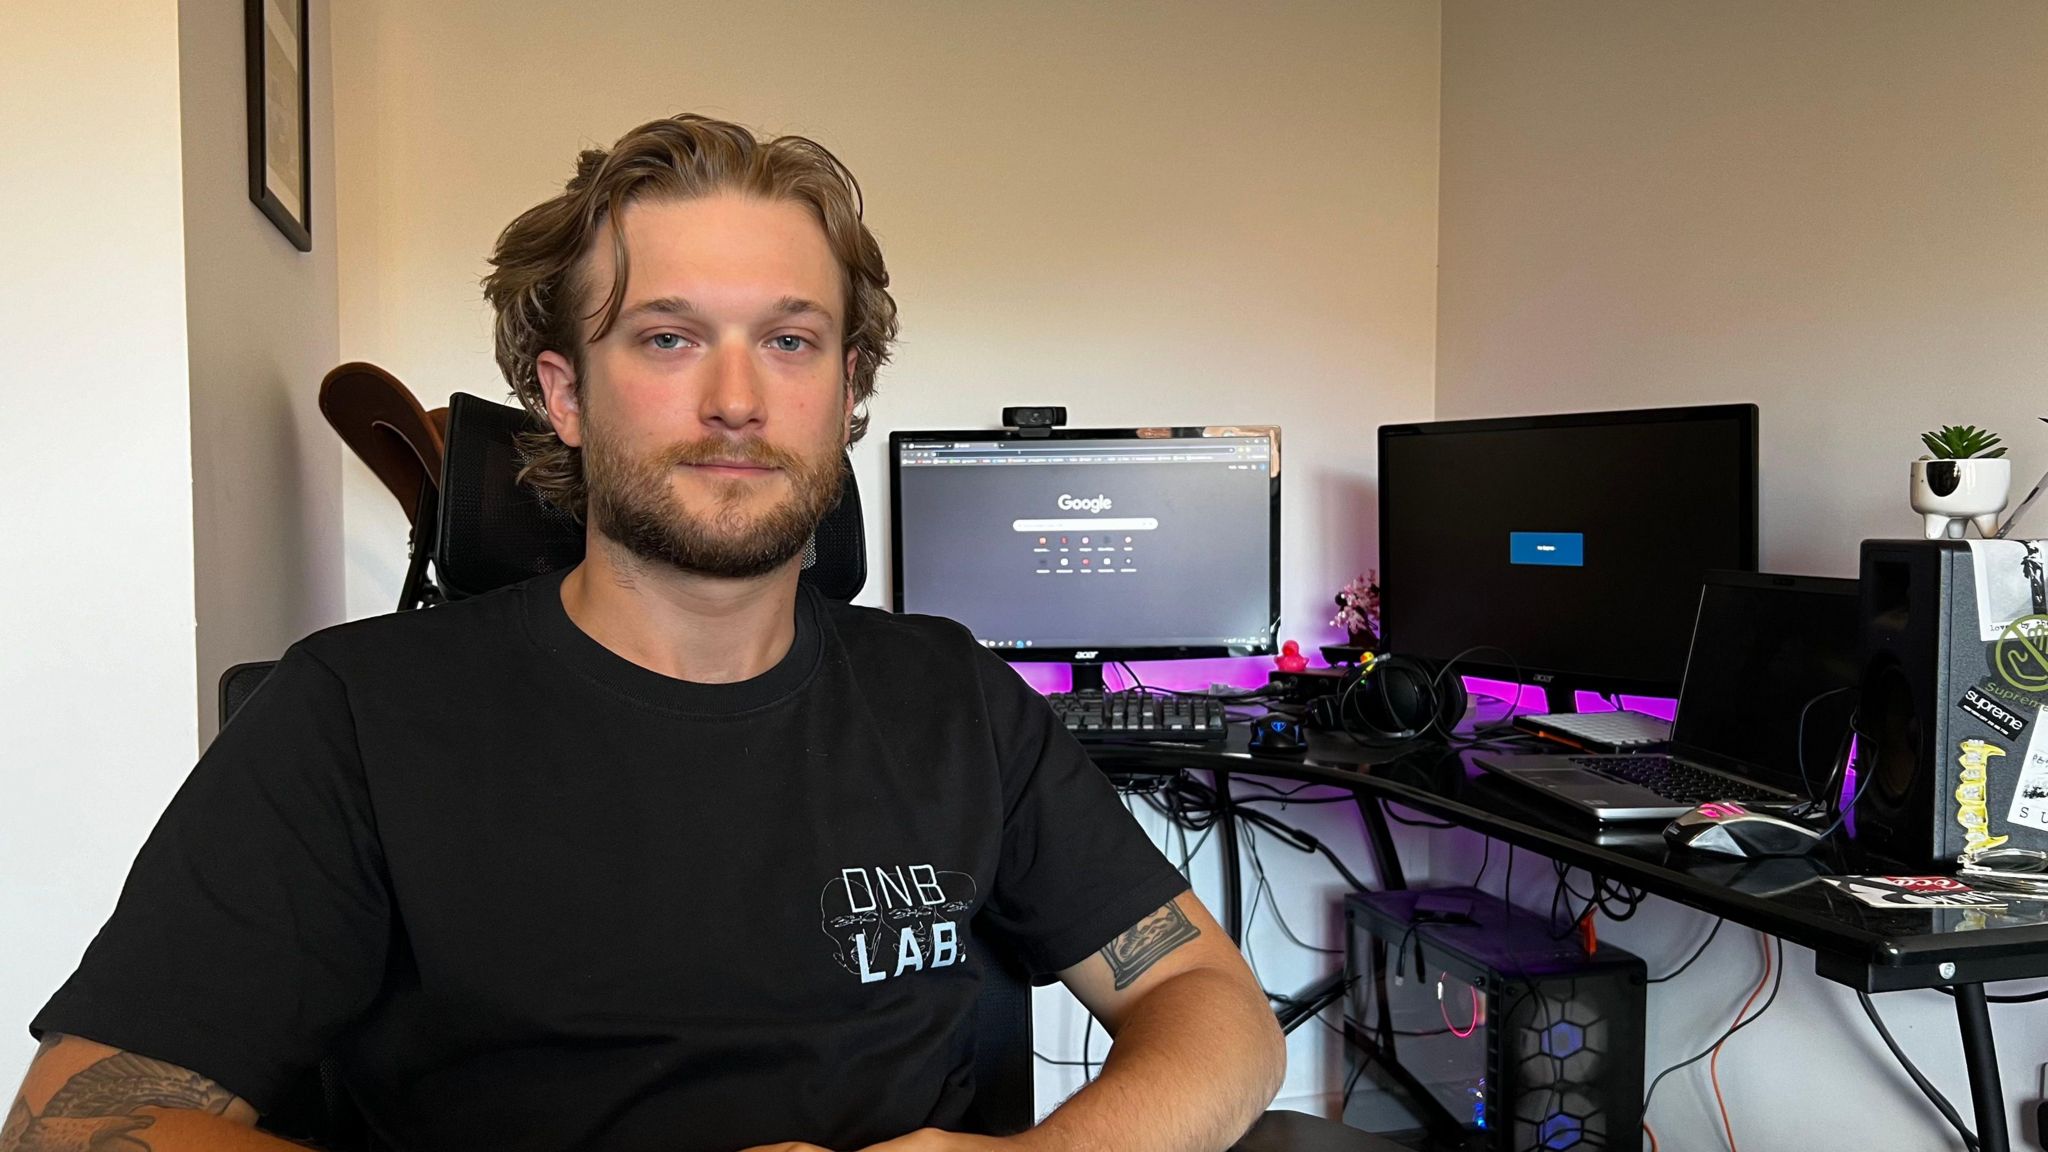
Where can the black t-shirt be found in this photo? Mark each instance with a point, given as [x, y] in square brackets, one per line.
[534, 896]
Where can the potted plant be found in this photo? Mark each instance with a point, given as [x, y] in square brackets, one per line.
[1965, 481]
[1358, 611]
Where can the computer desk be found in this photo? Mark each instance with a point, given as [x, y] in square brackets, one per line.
[1871, 949]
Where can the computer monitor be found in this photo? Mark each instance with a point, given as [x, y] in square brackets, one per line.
[1092, 545]
[1574, 543]
[1766, 685]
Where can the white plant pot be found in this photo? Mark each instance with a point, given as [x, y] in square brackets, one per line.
[1950, 494]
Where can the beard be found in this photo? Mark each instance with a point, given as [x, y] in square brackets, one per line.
[632, 503]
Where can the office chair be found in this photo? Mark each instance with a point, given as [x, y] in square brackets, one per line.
[492, 532]
[383, 423]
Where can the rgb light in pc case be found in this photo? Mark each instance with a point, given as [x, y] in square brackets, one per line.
[1489, 1025]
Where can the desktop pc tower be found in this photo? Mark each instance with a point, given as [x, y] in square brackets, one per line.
[1502, 1036]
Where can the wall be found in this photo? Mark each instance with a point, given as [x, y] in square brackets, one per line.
[1835, 210]
[1148, 212]
[261, 326]
[96, 664]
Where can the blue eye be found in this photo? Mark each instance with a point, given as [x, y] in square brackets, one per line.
[788, 343]
[666, 341]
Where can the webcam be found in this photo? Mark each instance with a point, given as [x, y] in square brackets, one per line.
[1034, 419]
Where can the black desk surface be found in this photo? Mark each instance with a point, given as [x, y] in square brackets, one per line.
[1875, 949]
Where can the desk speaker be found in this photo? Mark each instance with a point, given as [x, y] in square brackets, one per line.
[1951, 755]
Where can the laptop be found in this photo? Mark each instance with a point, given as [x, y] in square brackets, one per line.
[1763, 647]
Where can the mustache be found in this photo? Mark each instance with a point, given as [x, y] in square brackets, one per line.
[754, 453]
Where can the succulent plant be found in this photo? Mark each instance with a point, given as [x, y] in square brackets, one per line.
[1952, 443]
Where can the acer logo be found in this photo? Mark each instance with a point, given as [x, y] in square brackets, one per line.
[1088, 654]
[1079, 504]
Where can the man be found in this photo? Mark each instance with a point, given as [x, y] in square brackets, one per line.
[664, 852]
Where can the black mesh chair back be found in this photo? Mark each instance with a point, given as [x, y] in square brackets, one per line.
[495, 532]
[239, 683]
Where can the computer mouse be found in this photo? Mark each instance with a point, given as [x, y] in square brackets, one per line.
[1277, 735]
[1726, 828]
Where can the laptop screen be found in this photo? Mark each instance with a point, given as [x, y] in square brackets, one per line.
[1762, 648]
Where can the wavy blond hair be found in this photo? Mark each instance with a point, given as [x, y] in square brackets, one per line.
[537, 279]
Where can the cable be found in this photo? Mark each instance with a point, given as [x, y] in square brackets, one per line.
[1251, 842]
[1135, 684]
[1411, 822]
[1799, 749]
[1714, 1063]
[1696, 954]
[1618, 901]
[1351, 1081]
[1927, 1089]
[1738, 1026]
[1255, 782]
[1485, 858]
[1868, 776]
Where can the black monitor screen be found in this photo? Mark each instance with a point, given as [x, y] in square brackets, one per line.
[1767, 647]
[1574, 543]
[1092, 544]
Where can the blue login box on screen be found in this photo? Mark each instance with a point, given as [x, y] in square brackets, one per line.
[1557, 549]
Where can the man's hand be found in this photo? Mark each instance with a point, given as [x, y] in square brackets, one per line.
[789, 1146]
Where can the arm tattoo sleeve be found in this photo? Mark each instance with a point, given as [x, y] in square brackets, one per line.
[1132, 954]
[97, 1110]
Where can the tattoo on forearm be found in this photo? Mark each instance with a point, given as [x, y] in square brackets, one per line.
[97, 1110]
[1132, 954]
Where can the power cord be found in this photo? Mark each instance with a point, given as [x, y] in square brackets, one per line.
[1738, 1026]
[1696, 954]
[1927, 1088]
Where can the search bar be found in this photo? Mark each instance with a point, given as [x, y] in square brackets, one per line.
[1112, 524]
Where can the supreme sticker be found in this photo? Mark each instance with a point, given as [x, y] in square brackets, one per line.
[2002, 719]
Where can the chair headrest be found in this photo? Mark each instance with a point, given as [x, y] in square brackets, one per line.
[494, 531]
[381, 421]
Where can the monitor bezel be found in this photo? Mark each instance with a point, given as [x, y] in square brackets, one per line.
[1107, 654]
[1489, 665]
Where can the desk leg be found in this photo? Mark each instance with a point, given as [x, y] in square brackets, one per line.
[1233, 882]
[1981, 1055]
[1386, 859]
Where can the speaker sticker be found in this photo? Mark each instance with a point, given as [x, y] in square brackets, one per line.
[2005, 721]
[2029, 806]
[2011, 578]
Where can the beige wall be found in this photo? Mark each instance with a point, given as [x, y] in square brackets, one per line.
[261, 323]
[1838, 210]
[96, 647]
[1148, 212]
[1154, 212]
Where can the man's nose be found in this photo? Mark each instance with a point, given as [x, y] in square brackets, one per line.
[734, 397]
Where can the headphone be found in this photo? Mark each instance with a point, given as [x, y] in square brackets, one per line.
[1389, 700]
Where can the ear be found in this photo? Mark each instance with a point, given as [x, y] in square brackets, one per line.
[846, 418]
[558, 389]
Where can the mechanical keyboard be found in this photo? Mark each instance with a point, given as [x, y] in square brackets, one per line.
[1138, 715]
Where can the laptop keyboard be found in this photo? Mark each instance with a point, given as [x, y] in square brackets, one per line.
[1676, 780]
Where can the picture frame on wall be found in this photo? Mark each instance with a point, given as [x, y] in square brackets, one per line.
[280, 140]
